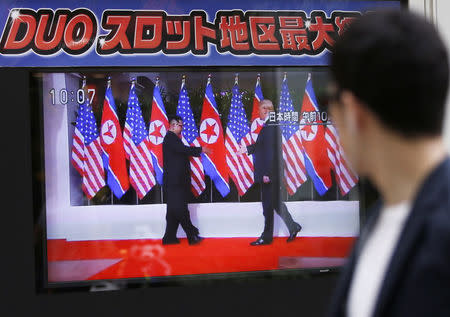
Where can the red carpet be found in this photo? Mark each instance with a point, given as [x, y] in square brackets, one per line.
[145, 258]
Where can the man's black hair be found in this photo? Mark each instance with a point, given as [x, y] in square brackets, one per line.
[175, 118]
[397, 64]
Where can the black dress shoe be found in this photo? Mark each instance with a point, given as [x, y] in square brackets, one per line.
[260, 241]
[294, 233]
[170, 241]
[195, 240]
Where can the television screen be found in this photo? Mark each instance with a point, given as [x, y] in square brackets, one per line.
[184, 140]
[102, 136]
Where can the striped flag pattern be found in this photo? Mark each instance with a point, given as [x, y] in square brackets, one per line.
[256, 122]
[294, 162]
[158, 127]
[189, 137]
[345, 177]
[317, 164]
[114, 160]
[241, 166]
[135, 141]
[86, 151]
[211, 136]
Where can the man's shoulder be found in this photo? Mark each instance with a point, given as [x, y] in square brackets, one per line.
[269, 129]
[434, 198]
[433, 202]
[169, 136]
[428, 265]
[437, 227]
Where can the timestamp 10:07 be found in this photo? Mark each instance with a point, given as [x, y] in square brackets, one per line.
[64, 96]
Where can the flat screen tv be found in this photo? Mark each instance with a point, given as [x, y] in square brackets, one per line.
[104, 213]
[105, 82]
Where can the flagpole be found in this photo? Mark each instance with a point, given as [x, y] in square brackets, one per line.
[83, 87]
[211, 190]
[258, 81]
[133, 83]
[337, 192]
[236, 82]
[108, 85]
[312, 183]
[210, 179]
[183, 82]
[161, 195]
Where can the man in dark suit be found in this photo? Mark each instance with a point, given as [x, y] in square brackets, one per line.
[267, 172]
[176, 183]
[387, 102]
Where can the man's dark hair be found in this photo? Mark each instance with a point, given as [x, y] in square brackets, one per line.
[396, 63]
[175, 118]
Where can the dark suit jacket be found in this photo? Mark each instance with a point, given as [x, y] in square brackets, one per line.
[176, 160]
[265, 152]
[417, 281]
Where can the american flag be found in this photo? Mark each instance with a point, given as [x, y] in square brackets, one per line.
[142, 174]
[345, 177]
[86, 151]
[294, 162]
[189, 137]
[241, 166]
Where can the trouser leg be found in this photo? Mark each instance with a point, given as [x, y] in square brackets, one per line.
[191, 228]
[186, 224]
[267, 202]
[281, 209]
[286, 216]
[179, 196]
[172, 222]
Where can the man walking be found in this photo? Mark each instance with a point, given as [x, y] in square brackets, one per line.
[177, 180]
[267, 166]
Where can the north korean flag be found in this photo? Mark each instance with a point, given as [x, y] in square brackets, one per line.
[313, 139]
[257, 122]
[157, 130]
[211, 136]
[112, 144]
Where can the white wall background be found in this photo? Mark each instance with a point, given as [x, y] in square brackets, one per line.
[440, 10]
[437, 12]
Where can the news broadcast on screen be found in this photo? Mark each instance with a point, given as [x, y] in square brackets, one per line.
[184, 139]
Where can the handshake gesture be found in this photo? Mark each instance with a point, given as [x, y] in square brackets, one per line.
[206, 150]
[242, 150]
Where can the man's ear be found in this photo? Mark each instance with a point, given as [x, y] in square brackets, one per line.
[355, 112]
